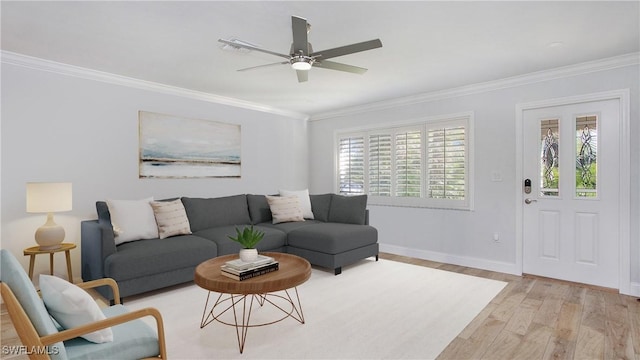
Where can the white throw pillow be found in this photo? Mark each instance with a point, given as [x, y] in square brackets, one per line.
[171, 218]
[133, 219]
[285, 208]
[305, 201]
[71, 307]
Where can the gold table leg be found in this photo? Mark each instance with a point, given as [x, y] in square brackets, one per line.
[32, 262]
[243, 325]
[68, 255]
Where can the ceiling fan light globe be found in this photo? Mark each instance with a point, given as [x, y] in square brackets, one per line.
[301, 65]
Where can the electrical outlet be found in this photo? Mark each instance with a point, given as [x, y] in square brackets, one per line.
[496, 237]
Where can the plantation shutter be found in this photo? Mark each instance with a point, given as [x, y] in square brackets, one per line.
[351, 165]
[446, 168]
[421, 164]
[408, 161]
[380, 165]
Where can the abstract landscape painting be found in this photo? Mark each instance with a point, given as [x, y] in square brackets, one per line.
[175, 147]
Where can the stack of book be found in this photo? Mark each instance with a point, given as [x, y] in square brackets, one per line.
[240, 270]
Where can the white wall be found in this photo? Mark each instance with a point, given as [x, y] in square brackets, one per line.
[466, 237]
[64, 128]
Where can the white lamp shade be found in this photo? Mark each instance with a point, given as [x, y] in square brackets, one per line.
[49, 197]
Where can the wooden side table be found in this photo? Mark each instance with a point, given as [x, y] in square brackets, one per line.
[35, 250]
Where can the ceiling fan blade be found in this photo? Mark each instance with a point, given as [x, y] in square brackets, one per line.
[263, 66]
[339, 66]
[347, 49]
[303, 75]
[300, 41]
[245, 46]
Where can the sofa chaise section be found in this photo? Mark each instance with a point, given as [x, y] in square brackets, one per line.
[339, 234]
[333, 245]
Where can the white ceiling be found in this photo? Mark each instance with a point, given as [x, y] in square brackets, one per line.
[427, 46]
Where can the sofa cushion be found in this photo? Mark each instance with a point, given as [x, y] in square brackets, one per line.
[132, 219]
[259, 209]
[212, 212]
[273, 238]
[71, 307]
[332, 238]
[348, 209]
[149, 257]
[320, 206]
[303, 200]
[285, 208]
[171, 218]
[289, 226]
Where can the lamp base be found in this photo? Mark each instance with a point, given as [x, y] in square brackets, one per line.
[50, 235]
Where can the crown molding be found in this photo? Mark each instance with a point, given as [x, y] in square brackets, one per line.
[535, 77]
[531, 78]
[95, 75]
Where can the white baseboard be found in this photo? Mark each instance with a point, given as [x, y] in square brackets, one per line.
[634, 289]
[477, 263]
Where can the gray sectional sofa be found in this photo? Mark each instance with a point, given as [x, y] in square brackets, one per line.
[338, 235]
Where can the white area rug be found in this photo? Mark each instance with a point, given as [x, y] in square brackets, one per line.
[373, 310]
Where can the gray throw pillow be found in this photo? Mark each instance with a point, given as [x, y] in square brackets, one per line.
[259, 209]
[320, 206]
[348, 209]
[104, 217]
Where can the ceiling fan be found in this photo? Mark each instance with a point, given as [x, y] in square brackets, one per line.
[301, 57]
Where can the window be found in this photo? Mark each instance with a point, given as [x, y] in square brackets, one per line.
[425, 164]
[351, 155]
[380, 164]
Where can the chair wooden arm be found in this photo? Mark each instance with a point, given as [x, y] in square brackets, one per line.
[102, 324]
[21, 322]
[103, 282]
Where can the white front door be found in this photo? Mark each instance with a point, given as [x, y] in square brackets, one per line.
[571, 156]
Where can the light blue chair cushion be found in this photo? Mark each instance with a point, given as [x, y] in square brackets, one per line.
[12, 274]
[131, 340]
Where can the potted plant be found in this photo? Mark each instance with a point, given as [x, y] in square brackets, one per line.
[248, 238]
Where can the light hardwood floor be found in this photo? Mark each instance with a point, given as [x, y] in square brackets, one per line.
[532, 318]
[539, 318]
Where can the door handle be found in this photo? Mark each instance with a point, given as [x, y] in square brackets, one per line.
[529, 201]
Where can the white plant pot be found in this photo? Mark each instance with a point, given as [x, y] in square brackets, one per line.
[248, 255]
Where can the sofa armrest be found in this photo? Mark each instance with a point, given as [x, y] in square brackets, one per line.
[97, 243]
[366, 216]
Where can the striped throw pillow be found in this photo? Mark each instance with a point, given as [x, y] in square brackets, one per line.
[171, 218]
[285, 208]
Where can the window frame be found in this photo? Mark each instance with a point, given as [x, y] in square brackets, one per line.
[425, 124]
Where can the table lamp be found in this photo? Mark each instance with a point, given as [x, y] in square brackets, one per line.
[49, 198]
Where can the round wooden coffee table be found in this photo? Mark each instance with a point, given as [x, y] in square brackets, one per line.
[236, 298]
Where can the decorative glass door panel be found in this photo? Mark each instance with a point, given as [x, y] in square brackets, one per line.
[587, 156]
[549, 165]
